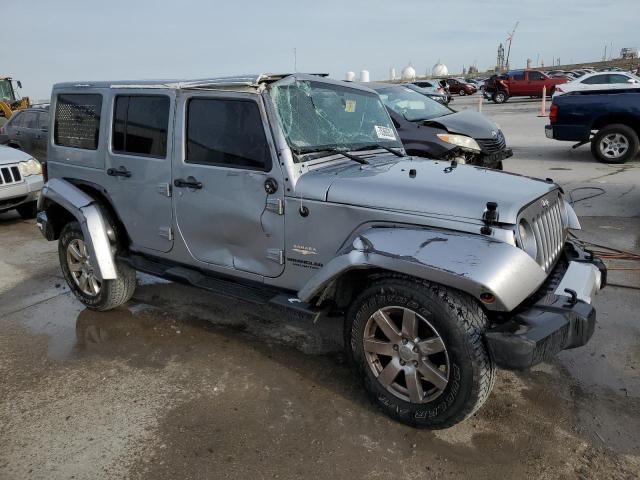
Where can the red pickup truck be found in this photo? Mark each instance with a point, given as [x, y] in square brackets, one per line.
[520, 83]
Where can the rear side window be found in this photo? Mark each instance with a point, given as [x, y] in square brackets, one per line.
[617, 78]
[43, 121]
[29, 120]
[140, 124]
[77, 120]
[226, 132]
[518, 75]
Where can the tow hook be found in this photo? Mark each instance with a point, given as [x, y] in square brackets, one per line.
[574, 296]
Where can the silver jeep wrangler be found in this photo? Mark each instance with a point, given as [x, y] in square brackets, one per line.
[295, 190]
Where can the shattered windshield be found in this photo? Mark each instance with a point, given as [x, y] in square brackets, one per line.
[316, 115]
[412, 105]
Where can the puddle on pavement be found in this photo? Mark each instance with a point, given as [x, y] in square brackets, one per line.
[133, 333]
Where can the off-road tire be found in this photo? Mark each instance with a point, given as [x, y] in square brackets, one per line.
[28, 210]
[113, 293]
[500, 97]
[628, 132]
[459, 320]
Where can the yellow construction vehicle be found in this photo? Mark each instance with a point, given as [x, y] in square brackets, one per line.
[9, 101]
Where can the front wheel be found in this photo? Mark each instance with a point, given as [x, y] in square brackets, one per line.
[419, 348]
[500, 97]
[462, 92]
[79, 271]
[615, 144]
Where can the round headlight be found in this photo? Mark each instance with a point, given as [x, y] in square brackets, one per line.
[527, 239]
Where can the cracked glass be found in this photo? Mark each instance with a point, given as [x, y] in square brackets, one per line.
[316, 115]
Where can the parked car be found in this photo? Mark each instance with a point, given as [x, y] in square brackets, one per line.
[431, 130]
[431, 92]
[295, 190]
[20, 182]
[608, 119]
[599, 81]
[27, 130]
[439, 86]
[521, 83]
[461, 87]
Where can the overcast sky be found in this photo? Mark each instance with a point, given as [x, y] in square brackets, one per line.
[47, 41]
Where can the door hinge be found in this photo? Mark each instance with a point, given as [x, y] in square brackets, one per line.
[276, 255]
[275, 205]
[166, 232]
[164, 189]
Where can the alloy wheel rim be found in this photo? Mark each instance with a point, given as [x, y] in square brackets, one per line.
[406, 354]
[614, 145]
[80, 267]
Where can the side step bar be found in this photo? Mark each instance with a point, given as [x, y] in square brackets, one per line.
[250, 292]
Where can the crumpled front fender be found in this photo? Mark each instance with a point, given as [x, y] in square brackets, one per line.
[474, 264]
[87, 212]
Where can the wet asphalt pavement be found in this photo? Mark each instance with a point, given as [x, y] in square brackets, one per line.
[180, 383]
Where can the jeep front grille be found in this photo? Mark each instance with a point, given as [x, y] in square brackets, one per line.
[545, 217]
[549, 233]
[9, 175]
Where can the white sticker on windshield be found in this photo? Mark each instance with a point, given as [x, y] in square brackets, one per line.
[385, 133]
[350, 106]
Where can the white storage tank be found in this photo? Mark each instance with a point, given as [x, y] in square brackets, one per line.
[409, 73]
[351, 76]
[364, 76]
[392, 73]
[439, 70]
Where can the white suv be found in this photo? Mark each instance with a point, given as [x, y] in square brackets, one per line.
[20, 182]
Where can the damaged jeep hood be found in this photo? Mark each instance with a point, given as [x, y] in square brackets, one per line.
[435, 188]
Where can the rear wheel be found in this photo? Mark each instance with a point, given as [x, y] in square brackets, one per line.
[615, 144]
[79, 271]
[419, 348]
[28, 210]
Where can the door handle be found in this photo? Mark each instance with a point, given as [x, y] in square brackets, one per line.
[119, 172]
[18, 134]
[188, 183]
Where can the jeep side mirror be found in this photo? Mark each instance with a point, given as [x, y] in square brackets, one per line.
[19, 83]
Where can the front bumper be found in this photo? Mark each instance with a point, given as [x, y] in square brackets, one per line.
[558, 317]
[494, 160]
[16, 194]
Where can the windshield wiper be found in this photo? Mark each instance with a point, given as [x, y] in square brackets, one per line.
[383, 147]
[333, 150]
